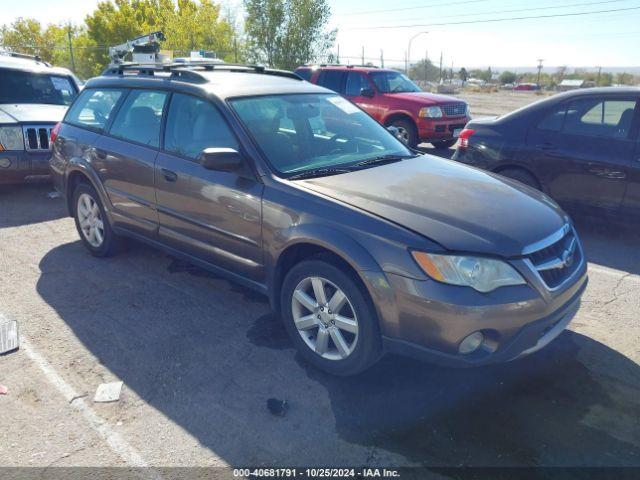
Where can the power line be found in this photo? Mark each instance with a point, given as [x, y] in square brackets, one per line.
[447, 4]
[494, 20]
[550, 7]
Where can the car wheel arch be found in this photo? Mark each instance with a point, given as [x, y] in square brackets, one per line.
[512, 166]
[392, 117]
[350, 256]
[79, 171]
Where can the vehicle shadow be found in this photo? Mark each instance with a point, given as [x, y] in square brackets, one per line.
[438, 152]
[610, 243]
[208, 356]
[29, 203]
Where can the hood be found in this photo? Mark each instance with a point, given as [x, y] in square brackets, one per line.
[425, 98]
[31, 112]
[461, 208]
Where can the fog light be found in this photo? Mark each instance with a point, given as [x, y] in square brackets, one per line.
[471, 343]
[5, 162]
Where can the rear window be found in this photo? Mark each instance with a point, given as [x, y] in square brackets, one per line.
[331, 79]
[93, 108]
[28, 87]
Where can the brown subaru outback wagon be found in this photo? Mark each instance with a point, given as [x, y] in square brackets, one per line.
[288, 188]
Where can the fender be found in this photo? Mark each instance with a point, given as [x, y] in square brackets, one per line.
[79, 164]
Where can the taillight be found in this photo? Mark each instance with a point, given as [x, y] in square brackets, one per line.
[54, 132]
[464, 137]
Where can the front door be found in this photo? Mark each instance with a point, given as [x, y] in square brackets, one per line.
[214, 216]
[583, 152]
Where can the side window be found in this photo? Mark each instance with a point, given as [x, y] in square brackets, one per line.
[304, 73]
[93, 108]
[140, 117]
[355, 83]
[600, 118]
[553, 120]
[331, 79]
[194, 124]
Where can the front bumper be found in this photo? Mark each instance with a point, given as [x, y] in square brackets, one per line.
[432, 319]
[16, 166]
[440, 128]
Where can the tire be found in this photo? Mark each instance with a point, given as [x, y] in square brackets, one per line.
[353, 327]
[104, 244]
[407, 132]
[521, 176]
[444, 144]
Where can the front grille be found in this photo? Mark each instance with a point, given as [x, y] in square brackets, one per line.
[36, 137]
[557, 262]
[455, 109]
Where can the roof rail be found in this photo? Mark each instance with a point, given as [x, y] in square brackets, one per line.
[192, 71]
[35, 58]
[340, 65]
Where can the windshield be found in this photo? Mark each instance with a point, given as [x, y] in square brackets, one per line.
[305, 132]
[27, 87]
[393, 82]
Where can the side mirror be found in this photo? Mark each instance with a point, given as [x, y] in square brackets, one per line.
[221, 159]
[367, 92]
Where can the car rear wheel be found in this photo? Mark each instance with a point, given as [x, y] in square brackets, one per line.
[406, 132]
[444, 144]
[522, 176]
[329, 319]
[92, 223]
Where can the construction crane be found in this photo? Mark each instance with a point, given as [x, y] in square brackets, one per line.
[145, 49]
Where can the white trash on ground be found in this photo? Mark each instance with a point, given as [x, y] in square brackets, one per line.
[108, 392]
[8, 335]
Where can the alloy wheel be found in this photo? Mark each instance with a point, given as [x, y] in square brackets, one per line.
[90, 220]
[325, 318]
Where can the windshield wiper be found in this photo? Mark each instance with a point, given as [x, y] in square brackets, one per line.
[318, 172]
[381, 159]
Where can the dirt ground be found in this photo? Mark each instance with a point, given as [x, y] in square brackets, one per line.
[498, 103]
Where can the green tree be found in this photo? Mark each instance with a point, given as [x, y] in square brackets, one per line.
[508, 77]
[624, 78]
[287, 33]
[424, 70]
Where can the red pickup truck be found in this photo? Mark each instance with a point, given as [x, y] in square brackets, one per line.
[394, 100]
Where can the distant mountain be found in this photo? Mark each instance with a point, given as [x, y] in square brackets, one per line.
[570, 69]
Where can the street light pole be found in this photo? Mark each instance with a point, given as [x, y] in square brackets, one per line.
[408, 64]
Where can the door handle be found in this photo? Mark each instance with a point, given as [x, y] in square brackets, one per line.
[99, 153]
[168, 175]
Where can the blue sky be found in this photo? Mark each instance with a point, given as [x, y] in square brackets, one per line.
[604, 39]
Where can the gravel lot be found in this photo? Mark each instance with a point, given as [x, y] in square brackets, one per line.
[199, 357]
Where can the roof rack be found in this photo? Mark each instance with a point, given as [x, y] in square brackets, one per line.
[340, 65]
[192, 71]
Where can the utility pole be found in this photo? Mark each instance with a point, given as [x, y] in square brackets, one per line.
[540, 60]
[426, 65]
[338, 58]
[235, 49]
[381, 58]
[599, 73]
[440, 68]
[408, 54]
[73, 63]
[406, 64]
[362, 56]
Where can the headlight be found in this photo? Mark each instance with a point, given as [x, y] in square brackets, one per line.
[11, 138]
[430, 112]
[481, 274]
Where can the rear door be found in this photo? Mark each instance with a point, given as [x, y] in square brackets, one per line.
[127, 156]
[356, 82]
[215, 216]
[583, 151]
[333, 80]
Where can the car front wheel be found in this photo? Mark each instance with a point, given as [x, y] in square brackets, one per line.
[91, 222]
[330, 319]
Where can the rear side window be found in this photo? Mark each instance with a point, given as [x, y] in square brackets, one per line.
[331, 79]
[93, 108]
[304, 73]
[355, 83]
[194, 124]
[553, 120]
[140, 117]
[600, 118]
